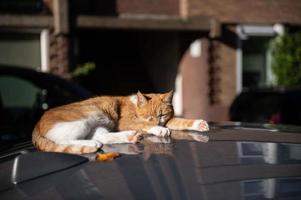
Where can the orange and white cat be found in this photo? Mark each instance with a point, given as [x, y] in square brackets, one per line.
[83, 127]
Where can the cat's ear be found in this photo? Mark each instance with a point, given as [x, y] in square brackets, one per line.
[141, 99]
[167, 97]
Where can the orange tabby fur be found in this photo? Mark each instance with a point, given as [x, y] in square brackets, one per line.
[147, 113]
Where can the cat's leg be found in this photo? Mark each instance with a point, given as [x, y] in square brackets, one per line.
[143, 126]
[91, 143]
[187, 124]
[104, 136]
[158, 131]
[192, 125]
[72, 133]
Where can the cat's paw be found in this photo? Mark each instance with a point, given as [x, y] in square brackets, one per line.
[200, 125]
[159, 131]
[134, 136]
[91, 143]
[199, 137]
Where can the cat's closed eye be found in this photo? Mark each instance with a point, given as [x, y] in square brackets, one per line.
[163, 117]
[164, 114]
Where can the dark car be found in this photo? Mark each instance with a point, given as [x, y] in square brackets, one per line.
[277, 106]
[25, 94]
[240, 161]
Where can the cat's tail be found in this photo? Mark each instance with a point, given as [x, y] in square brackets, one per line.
[44, 144]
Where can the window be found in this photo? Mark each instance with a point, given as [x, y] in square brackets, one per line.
[253, 189]
[256, 63]
[16, 92]
[18, 98]
[271, 188]
[254, 55]
[250, 152]
[20, 49]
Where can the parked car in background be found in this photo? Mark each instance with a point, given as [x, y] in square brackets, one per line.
[240, 162]
[25, 94]
[277, 106]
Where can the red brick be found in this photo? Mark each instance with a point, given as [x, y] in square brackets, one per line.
[255, 11]
[162, 7]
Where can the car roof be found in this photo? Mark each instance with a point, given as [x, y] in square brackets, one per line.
[250, 161]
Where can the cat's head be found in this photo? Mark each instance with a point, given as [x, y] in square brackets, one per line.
[156, 109]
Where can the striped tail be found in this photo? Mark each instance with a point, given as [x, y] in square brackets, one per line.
[44, 144]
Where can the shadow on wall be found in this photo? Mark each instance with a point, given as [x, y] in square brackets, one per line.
[127, 61]
[94, 7]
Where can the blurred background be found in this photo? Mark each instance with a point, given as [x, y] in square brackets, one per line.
[225, 60]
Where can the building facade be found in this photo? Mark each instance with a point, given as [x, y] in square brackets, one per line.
[207, 51]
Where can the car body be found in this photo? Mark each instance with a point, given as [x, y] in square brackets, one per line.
[25, 94]
[240, 161]
[268, 105]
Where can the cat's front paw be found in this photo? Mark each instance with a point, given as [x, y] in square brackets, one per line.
[159, 131]
[134, 136]
[200, 125]
[91, 143]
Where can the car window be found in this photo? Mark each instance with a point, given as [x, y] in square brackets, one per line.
[17, 92]
[18, 100]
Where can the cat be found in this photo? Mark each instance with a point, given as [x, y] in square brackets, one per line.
[83, 127]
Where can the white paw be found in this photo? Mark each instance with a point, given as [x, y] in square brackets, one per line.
[118, 137]
[133, 136]
[93, 143]
[159, 131]
[200, 125]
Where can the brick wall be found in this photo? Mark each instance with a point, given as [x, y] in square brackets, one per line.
[161, 7]
[222, 51]
[255, 11]
[209, 81]
[59, 60]
[222, 70]
[195, 76]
